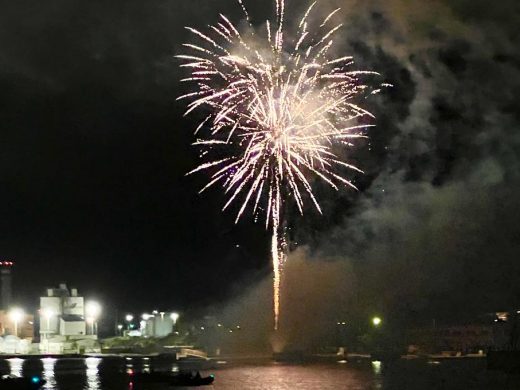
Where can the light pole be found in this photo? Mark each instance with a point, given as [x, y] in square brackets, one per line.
[90, 322]
[174, 316]
[93, 309]
[48, 313]
[129, 318]
[16, 316]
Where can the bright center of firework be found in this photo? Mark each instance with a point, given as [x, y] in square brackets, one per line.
[278, 112]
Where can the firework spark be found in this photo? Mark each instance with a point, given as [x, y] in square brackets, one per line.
[277, 111]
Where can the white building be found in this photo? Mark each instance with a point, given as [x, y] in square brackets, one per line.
[158, 324]
[64, 318]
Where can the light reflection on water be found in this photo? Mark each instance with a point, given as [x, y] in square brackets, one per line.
[93, 382]
[48, 372]
[15, 366]
[95, 373]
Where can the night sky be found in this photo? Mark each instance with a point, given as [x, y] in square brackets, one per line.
[94, 151]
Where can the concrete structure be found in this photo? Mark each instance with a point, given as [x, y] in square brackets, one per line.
[62, 312]
[65, 324]
[5, 284]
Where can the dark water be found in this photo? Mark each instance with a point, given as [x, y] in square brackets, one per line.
[115, 374]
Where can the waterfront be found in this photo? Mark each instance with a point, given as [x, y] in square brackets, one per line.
[113, 374]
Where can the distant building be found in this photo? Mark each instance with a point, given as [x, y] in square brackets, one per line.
[63, 319]
[62, 312]
[158, 324]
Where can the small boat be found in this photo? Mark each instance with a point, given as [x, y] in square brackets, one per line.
[9, 382]
[183, 379]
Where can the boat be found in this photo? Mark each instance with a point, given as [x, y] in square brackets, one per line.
[9, 382]
[183, 379]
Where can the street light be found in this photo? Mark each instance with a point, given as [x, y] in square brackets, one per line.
[376, 321]
[16, 316]
[93, 310]
[174, 317]
[129, 318]
[48, 313]
[90, 321]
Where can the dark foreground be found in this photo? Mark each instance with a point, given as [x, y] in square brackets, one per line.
[117, 373]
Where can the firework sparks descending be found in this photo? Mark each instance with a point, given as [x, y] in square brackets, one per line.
[278, 110]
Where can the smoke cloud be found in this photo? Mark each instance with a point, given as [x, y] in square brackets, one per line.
[433, 232]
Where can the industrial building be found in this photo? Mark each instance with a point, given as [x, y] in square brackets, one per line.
[66, 321]
[158, 324]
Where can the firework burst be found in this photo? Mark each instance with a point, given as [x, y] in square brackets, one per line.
[277, 110]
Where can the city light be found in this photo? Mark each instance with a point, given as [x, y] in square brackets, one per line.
[47, 313]
[129, 318]
[16, 315]
[93, 309]
[376, 321]
[146, 316]
[174, 317]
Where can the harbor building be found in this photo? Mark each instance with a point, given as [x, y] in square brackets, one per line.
[67, 321]
[158, 324]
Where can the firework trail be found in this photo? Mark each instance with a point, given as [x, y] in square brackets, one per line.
[277, 111]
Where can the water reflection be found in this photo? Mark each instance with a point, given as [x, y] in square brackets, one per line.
[146, 367]
[96, 373]
[93, 382]
[376, 369]
[48, 372]
[15, 366]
